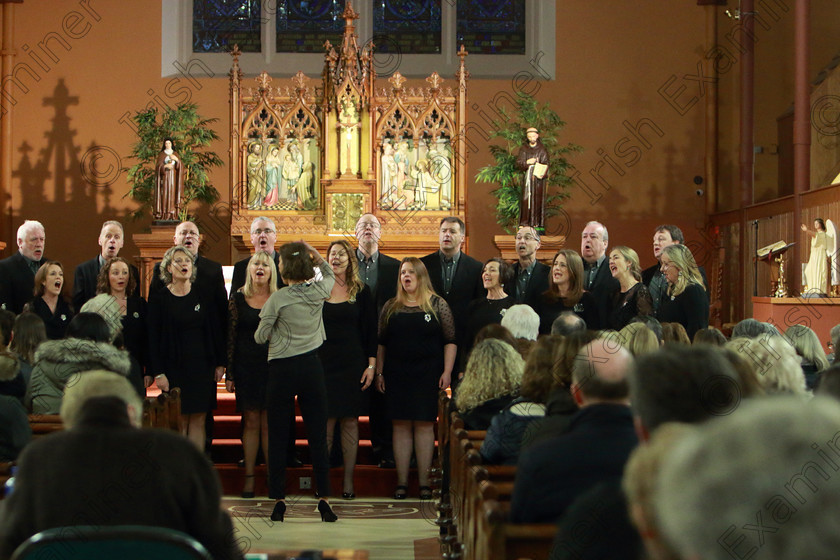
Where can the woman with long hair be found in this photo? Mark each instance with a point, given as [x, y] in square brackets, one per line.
[686, 301]
[632, 297]
[808, 347]
[348, 354]
[29, 334]
[414, 361]
[491, 382]
[50, 303]
[496, 277]
[186, 347]
[291, 322]
[565, 292]
[247, 371]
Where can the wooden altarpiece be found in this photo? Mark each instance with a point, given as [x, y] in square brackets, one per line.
[315, 157]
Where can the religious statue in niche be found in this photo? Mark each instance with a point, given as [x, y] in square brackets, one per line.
[169, 183]
[349, 126]
[415, 178]
[256, 175]
[533, 160]
[282, 176]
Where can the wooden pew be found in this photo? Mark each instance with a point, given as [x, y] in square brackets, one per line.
[45, 424]
[498, 539]
[163, 411]
[499, 478]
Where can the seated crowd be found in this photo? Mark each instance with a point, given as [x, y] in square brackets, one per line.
[591, 375]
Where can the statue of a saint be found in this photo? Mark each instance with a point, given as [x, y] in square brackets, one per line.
[533, 160]
[273, 165]
[169, 183]
[256, 175]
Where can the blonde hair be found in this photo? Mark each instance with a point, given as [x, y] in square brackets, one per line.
[260, 257]
[351, 274]
[638, 339]
[682, 259]
[168, 257]
[805, 342]
[774, 362]
[424, 293]
[98, 383]
[494, 369]
[632, 258]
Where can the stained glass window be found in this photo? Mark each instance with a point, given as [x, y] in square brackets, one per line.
[304, 25]
[491, 26]
[220, 24]
[407, 26]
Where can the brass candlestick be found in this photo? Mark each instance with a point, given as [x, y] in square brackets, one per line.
[781, 287]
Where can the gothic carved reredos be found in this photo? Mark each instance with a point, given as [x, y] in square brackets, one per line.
[375, 145]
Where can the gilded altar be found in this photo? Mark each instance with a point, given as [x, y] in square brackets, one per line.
[314, 155]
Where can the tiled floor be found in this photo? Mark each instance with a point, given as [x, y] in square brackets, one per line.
[388, 529]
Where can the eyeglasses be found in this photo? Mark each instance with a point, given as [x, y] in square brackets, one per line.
[368, 225]
[266, 231]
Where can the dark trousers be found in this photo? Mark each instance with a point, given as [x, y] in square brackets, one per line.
[303, 376]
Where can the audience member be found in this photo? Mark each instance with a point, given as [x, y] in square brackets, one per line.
[12, 383]
[674, 333]
[775, 363]
[551, 474]
[567, 323]
[709, 335]
[29, 333]
[829, 382]
[631, 298]
[751, 328]
[759, 482]
[686, 301]
[834, 341]
[652, 323]
[49, 302]
[809, 350]
[86, 277]
[103, 470]
[58, 363]
[638, 339]
[530, 275]
[504, 436]
[17, 273]
[15, 432]
[491, 382]
[565, 293]
[597, 279]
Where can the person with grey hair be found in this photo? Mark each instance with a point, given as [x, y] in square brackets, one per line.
[263, 238]
[568, 323]
[186, 345]
[834, 341]
[530, 275]
[103, 471]
[111, 240]
[597, 278]
[522, 322]
[551, 474]
[758, 483]
[17, 273]
[751, 328]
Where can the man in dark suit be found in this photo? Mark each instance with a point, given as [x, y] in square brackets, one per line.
[652, 277]
[263, 238]
[104, 470]
[455, 276]
[380, 273]
[530, 276]
[551, 474]
[17, 273]
[597, 278]
[111, 240]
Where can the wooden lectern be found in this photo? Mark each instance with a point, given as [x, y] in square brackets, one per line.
[773, 255]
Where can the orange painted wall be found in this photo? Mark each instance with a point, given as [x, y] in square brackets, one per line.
[613, 58]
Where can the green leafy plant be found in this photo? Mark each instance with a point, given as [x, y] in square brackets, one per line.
[510, 127]
[191, 135]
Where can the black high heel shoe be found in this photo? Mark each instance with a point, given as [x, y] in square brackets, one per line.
[279, 511]
[246, 494]
[326, 512]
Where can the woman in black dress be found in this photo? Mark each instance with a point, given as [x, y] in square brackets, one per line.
[686, 301]
[348, 354]
[116, 280]
[416, 356]
[49, 302]
[565, 292]
[632, 297]
[186, 347]
[247, 371]
[496, 276]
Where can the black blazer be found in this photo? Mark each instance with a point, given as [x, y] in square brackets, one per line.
[387, 277]
[536, 287]
[602, 289]
[210, 281]
[240, 273]
[16, 283]
[466, 286]
[84, 282]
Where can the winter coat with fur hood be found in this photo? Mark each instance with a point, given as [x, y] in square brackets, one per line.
[57, 361]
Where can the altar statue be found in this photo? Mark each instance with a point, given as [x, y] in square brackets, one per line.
[389, 176]
[169, 183]
[815, 277]
[533, 160]
[256, 175]
[273, 165]
[292, 165]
